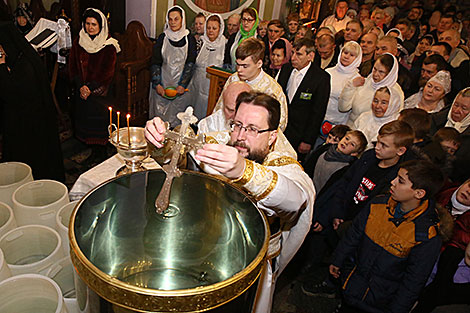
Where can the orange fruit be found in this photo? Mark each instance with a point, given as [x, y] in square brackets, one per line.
[170, 93]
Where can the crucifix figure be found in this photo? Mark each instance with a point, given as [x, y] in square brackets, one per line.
[182, 144]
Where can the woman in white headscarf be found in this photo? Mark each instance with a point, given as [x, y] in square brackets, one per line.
[173, 60]
[346, 69]
[211, 54]
[385, 107]
[91, 67]
[457, 116]
[431, 97]
[357, 94]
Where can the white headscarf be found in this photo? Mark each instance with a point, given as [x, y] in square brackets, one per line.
[353, 67]
[390, 79]
[459, 126]
[220, 40]
[457, 207]
[101, 40]
[400, 36]
[182, 32]
[370, 124]
[442, 78]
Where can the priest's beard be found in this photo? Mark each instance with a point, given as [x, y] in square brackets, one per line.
[257, 155]
[422, 82]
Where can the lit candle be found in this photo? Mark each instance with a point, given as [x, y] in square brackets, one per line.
[118, 118]
[110, 119]
[128, 116]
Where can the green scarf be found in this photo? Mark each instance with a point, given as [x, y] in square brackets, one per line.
[252, 31]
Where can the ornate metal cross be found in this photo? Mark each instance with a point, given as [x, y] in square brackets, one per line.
[182, 144]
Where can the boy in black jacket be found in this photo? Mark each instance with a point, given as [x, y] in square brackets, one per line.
[389, 251]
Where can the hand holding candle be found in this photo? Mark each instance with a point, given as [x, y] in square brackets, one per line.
[128, 116]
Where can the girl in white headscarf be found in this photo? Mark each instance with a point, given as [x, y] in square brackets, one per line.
[431, 97]
[91, 67]
[211, 54]
[346, 69]
[358, 92]
[384, 108]
[173, 60]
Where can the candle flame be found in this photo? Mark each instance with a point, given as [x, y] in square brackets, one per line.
[128, 115]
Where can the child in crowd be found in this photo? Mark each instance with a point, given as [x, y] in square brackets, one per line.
[338, 156]
[385, 106]
[330, 136]
[448, 138]
[389, 251]
[366, 178]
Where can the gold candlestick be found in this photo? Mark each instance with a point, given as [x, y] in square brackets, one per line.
[118, 118]
[128, 116]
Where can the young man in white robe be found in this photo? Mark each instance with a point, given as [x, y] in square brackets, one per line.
[255, 156]
[249, 59]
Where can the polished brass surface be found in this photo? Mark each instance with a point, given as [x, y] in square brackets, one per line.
[131, 146]
[204, 256]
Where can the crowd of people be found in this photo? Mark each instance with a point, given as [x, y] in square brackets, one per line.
[352, 134]
[374, 102]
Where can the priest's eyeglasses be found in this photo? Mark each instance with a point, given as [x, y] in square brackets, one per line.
[250, 130]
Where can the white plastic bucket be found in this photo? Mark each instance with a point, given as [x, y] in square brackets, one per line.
[31, 249]
[4, 269]
[31, 293]
[62, 220]
[62, 273]
[13, 175]
[37, 202]
[7, 219]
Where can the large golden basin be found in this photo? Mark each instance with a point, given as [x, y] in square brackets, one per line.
[207, 256]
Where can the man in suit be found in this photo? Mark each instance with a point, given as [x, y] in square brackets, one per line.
[308, 89]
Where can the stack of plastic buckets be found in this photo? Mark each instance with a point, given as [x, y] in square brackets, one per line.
[36, 273]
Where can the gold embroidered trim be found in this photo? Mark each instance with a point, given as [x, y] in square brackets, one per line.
[247, 174]
[285, 160]
[210, 139]
[270, 187]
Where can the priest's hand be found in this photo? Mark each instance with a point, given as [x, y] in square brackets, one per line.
[160, 90]
[334, 271]
[155, 131]
[84, 92]
[180, 90]
[225, 159]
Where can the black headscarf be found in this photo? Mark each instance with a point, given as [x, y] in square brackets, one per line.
[23, 10]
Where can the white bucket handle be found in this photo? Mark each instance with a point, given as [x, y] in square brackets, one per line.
[14, 235]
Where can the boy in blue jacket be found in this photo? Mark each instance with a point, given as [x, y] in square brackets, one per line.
[387, 254]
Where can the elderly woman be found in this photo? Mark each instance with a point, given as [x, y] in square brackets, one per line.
[173, 60]
[249, 23]
[346, 69]
[384, 108]
[458, 117]
[358, 93]
[91, 67]
[281, 52]
[431, 97]
[211, 53]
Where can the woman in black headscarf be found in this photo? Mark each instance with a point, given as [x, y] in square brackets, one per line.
[23, 18]
[27, 112]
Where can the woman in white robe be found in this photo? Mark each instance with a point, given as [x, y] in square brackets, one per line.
[385, 107]
[357, 94]
[431, 97]
[346, 69]
[211, 54]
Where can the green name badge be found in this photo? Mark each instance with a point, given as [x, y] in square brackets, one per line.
[305, 96]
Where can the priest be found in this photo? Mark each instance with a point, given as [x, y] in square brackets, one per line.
[255, 156]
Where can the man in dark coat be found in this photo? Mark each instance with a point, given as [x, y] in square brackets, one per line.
[27, 111]
[308, 89]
